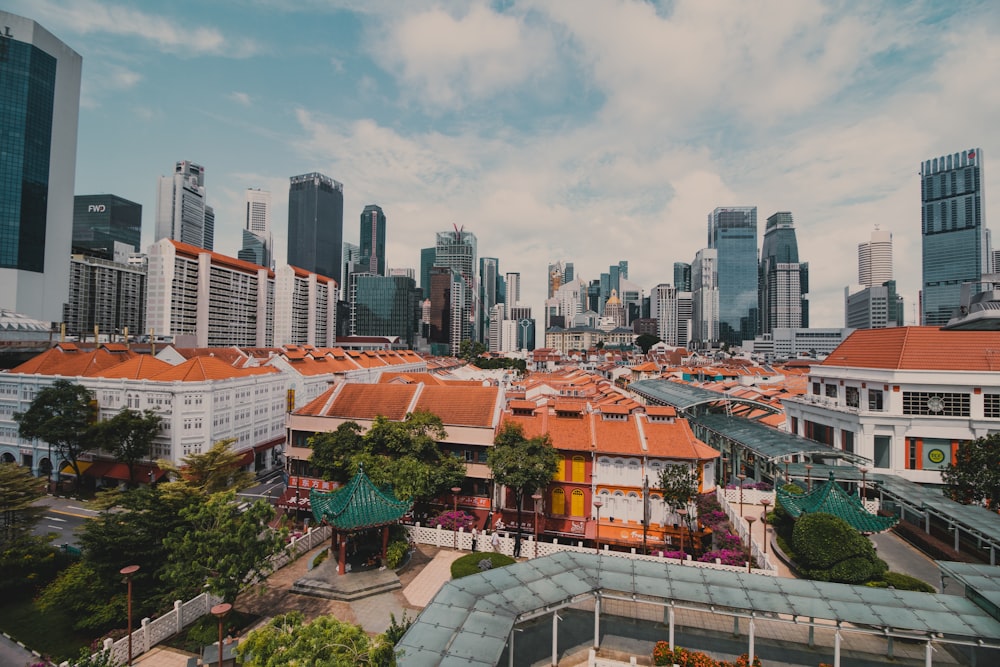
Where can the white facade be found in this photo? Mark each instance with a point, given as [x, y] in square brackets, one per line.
[875, 259]
[705, 296]
[305, 308]
[513, 290]
[180, 206]
[41, 294]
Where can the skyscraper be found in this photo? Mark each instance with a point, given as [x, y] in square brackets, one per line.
[384, 306]
[783, 279]
[457, 251]
[373, 240]
[102, 223]
[39, 107]
[955, 243]
[490, 294]
[513, 291]
[733, 232]
[875, 259]
[181, 212]
[705, 298]
[258, 245]
[682, 276]
[316, 224]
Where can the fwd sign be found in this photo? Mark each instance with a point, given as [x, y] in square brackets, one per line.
[96, 208]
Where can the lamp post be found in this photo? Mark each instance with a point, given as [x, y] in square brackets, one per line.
[750, 520]
[788, 480]
[220, 611]
[454, 512]
[597, 533]
[741, 478]
[537, 497]
[725, 470]
[763, 517]
[863, 491]
[127, 572]
[682, 513]
[809, 477]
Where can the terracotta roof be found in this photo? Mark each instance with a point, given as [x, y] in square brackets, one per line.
[563, 405]
[68, 360]
[316, 406]
[676, 440]
[231, 355]
[408, 378]
[192, 252]
[200, 369]
[460, 406]
[614, 409]
[139, 367]
[661, 410]
[522, 405]
[367, 401]
[919, 348]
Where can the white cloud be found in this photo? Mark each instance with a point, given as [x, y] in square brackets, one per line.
[240, 98]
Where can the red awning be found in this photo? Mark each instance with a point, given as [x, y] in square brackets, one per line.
[99, 469]
[119, 471]
[269, 445]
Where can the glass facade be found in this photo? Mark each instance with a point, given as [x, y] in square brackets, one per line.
[733, 232]
[384, 306]
[781, 292]
[100, 220]
[27, 93]
[954, 234]
[373, 240]
[316, 224]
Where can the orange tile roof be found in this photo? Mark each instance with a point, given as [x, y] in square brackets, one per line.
[460, 406]
[139, 367]
[614, 409]
[563, 405]
[676, 440]
[315, 407]
[919, 348]
[69, 360]
[367, 401]
[409, 378]
[230, 355]
[192, 252]
[200, 369]
[661, 410]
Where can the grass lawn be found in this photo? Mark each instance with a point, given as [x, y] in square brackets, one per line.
[49, 633]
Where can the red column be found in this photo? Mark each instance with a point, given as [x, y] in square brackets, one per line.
[385, 541]
[342, 559]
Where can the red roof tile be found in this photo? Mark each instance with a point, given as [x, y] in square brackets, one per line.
[200, 369]
[367, 401]
[460, 406]
[919, 348]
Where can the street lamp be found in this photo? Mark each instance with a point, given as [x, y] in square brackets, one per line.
[597, 533]
[742, 478]
[809, 477]
[765, 502]
[725, 470]
[454, 512]
[863, 491]
[220, 611]
[750, 520]
[127, 572]
[537, 497]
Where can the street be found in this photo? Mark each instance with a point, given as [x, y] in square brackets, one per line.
[269, 489]
[64, 517]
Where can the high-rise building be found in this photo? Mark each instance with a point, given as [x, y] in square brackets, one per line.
[875, 259]
[446, 313]
[39, 107]
[350, 263]
[783, 279]
[104, 223]
[373, 240]
[181, 211]
[457, 251]
[490, 294]
[105, 295]
[513, 290]
[384, 306]
[682, 276]
[316, 224]
[955, 238]
[427, 256]
[664, 306]
[875, 307]
[705, 298]
[733, 232]
[258, 245]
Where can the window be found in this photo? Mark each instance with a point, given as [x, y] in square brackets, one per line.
[816, 388]
[831, 391]
[561, 470]
[558, 501]
[852, 396]
[875, 403]
[935, 404]
[883, 443]
[847, 441]
[577, 503]
[991, 406]
[579, 467]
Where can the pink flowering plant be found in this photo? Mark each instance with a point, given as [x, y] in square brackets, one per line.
[453, 520]
[726, 557]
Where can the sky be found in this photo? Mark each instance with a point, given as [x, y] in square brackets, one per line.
[577, 130]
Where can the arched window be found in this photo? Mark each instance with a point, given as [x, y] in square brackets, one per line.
[558, 501]
[577, 503]
[561, 470]
[579, 468]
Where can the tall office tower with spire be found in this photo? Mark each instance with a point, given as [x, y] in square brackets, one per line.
[181, 209]
[733, 232]
[39, 107]
[490, 294]
[875, 259]
[784, 281]
[258, 245]
[316, 224]
[373, 240]
[456, 250]
[955, 238]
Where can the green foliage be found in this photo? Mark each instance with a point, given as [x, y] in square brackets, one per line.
[96, 657]
[129, 437]
[678, 484]
[218, 469]
[287, 640]
[469, 563]
[28, 563]
[332, 452]
[494, 363]
[974, 476]
[395, 553]
[79, 591]
[646, 341]
[221, 548]
[902, 582]
[19, 490]
[61, 415]
[828, 549]
[782, 520]
[469, 349]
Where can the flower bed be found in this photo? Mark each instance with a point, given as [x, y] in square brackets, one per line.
[662, 655]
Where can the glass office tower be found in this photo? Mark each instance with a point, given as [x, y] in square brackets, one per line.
[373, 240]
[316, 224]
[101, 221]
[733, 232]
[955, 243]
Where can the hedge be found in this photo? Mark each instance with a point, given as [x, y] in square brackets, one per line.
[828, 549]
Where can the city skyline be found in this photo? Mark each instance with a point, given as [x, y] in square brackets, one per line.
[575, 149]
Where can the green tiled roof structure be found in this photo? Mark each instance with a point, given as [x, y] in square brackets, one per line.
[830, 498]
[357, 505]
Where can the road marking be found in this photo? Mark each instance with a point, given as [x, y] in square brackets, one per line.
[83, 509]
[59, 528]
[79, 516]
[55, 518]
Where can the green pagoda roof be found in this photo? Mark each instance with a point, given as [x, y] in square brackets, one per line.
[830, 498]
[358, 505]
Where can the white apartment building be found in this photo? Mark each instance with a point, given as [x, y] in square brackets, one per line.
[906, 397]
[305, 308]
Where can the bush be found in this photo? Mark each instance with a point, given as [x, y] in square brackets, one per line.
[395, 553]
[662, 655]
[452, 520]
[726, 557]
[469, 563]
[828, 549]
[902, 582]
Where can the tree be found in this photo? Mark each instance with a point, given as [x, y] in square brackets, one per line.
[288, 640]
[646, 341]
[129, 437]
[221, 549]
[678, 484]
[974, 476]
[827, 548]
[218, 469]
[333, 452]
[62, 415]
[19, 490]
[521, 464]
[470, 349]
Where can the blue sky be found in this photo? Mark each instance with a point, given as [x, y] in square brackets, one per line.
[586, 131]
